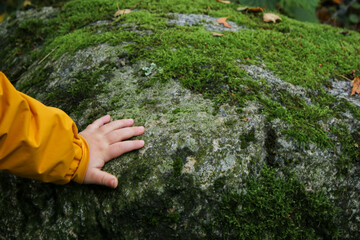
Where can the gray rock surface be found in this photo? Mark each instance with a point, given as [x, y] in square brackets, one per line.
[276, 84]
[210, 23]
[341, 90]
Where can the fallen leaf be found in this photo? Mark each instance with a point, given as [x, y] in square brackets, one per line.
[122, 12]
[222, 1]
[26, 3]
[355, 84]
[338, 1]
[270, 17]
[223, 21]
[215, 34]
[244, 119]
[255, 9]
[240, 9]
[2, 17]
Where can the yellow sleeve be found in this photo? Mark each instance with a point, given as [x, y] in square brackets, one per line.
[37, 141]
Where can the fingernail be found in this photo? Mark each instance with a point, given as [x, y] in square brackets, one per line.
[113, 183]
[142, 142]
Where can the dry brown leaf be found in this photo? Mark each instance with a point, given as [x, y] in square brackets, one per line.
[355, 84]
[122, 12]
[270, 17]
[223, 21]
[244, 119]
[255, 9]
[222, 1]
[215, 34]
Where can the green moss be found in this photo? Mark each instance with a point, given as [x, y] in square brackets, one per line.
[220, 79]
[30, 32]
[350, 146]
[274, 208]
[270, 146]
[78, 94]
[78, 13]
[303, 54]
[302, 118]
[294, 50]
[176, 111]
[173, 217]
[177, 166]
[141, 172]
[246, 138]
[37, 82]
[27, 37]
[149, 102]
[343, 105]
[266, 207]
[219, 183]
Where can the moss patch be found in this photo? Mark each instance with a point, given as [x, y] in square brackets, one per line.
[246, 138]
[349, 140]
[271, 207]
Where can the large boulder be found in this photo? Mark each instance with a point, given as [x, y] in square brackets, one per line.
[249, 135]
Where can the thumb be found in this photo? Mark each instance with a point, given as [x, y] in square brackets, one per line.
[102, 178]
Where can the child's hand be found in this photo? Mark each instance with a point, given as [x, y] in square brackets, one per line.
[106, 141]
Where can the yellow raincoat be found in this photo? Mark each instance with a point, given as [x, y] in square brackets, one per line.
[37, 141]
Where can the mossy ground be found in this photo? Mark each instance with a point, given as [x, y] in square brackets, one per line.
[300, 53]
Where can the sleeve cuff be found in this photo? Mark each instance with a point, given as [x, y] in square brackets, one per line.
[79, 165]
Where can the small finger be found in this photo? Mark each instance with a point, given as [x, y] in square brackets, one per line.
[118, 124]
[124, 133]
[100, 122]
[120, 148]
[102, 178]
